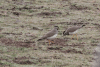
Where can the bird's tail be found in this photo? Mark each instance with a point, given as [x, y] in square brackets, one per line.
[96, 63]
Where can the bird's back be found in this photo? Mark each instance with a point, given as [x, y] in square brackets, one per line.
[72, 29]
[49, 34]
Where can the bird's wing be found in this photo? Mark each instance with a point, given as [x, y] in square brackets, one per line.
[49, 34]
[72, 29]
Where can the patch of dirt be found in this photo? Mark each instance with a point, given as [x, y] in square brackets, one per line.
[56, 57]
[70, 23]
[13, 33]
[73, 23]
[4, 65]
[17, 13]
[60, 42]
[57, 41]
[96, 24]
[94, 44]
[36, 28]
[10, 42]
[78, 7]
[26, 8]
[54, 48]
[25, 60]
[45, 62]
[77, 44]
[29, 60]
[1, 63]
[72, 51]
[49, 13]
[1, 29]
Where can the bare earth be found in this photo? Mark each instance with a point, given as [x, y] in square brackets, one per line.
[22, 22]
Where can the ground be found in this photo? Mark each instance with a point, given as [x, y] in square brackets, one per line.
[22, 22]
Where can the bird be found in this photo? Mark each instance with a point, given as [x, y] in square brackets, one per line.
[72, 30]
[50, 35]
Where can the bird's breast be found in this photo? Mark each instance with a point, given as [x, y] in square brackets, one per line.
[73, 32]
[52, 37]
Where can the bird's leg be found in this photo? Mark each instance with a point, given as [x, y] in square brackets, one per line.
[76, 36]
[52, 41]
[49, 42]
[73, 36]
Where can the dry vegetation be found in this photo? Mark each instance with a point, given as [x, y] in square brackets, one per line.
[22, 22]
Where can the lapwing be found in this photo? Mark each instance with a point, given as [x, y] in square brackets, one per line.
[72, 30]
[50, 35]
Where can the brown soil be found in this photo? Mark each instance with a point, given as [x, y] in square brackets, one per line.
[10, 42]
[76, 7]
[59, 41]
[72, 51]
[24, 60]
[49, 13]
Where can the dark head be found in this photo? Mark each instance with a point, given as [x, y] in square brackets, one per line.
[83, 25]
[56, 27]
[65, 33]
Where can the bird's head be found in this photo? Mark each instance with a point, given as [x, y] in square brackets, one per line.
[83, 25]
[65, 33]
[56, 27]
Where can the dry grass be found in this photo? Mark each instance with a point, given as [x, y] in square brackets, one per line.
[23, 22]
